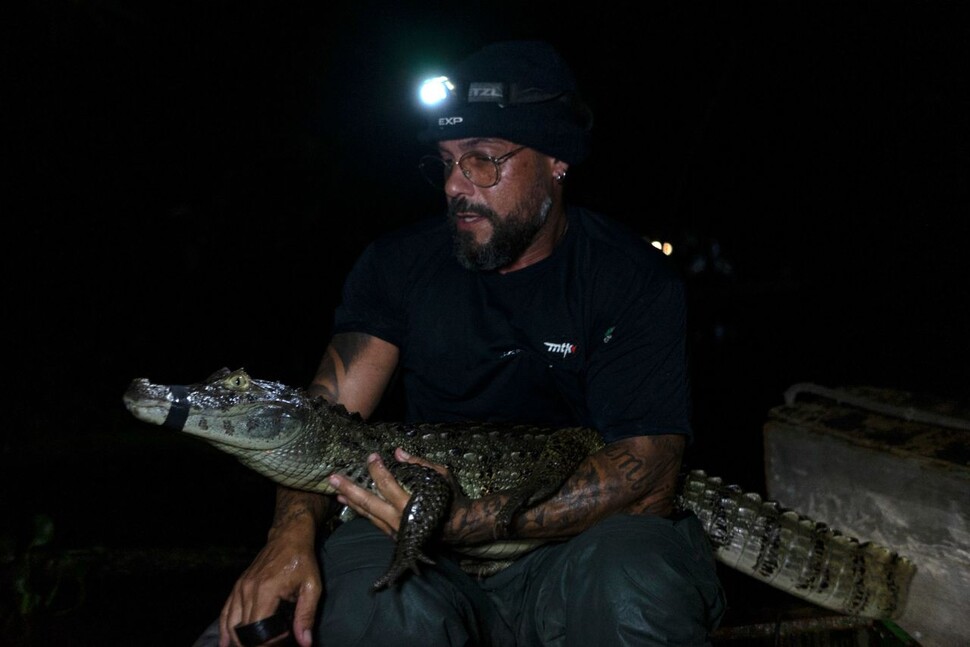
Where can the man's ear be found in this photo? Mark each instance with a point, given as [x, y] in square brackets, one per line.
[559, 169]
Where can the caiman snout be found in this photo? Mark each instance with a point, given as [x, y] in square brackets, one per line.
[139, 389]
[148, 402]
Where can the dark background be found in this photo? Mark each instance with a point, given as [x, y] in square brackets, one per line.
[188, 182]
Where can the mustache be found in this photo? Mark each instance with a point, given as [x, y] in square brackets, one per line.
[462, 205]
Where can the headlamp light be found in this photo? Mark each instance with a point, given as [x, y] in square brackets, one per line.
[435, 90]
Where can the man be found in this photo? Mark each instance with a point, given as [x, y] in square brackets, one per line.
[514, 308]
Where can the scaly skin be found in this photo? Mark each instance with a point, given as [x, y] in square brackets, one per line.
[298, 441]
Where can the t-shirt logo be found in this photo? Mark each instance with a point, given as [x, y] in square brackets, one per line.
[565, 348]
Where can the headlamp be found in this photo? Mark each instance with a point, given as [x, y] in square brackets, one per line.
[438, 89]
[519, 91]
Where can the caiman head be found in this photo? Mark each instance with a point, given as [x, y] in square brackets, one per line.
[229, 408]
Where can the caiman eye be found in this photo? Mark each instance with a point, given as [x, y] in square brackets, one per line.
[238, 380]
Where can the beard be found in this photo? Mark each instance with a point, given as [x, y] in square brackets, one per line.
[511, 236]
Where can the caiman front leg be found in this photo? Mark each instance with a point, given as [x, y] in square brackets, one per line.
[533, 491]
[423, 516]
[557, 462]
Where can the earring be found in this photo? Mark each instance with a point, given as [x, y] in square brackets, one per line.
[560, 177]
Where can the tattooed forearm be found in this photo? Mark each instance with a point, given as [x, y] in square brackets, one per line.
[472, 521]
[294, 505]
[631, 468]
[581, 502]
[633, 476]
[652, 475]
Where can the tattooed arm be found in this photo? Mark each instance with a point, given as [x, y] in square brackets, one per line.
[634, 475]
[354, 372]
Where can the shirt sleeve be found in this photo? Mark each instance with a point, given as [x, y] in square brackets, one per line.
[370, 299]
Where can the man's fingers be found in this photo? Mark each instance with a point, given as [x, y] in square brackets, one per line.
[381, 519]
[405, 457]
[365, 503]
[230, 617]
[227, 631]
[303, 616]
[224, 630]
[385, 482]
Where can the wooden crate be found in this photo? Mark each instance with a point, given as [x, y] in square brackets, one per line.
[889, 467]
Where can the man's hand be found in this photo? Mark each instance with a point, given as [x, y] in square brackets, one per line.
[285, 569]
[386, 508]
[280, 571]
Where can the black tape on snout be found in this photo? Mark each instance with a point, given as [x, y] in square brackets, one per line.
[178, 413]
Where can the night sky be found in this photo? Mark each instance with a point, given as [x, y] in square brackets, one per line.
[188, 182]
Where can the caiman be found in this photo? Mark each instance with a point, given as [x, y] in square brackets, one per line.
[298, 441]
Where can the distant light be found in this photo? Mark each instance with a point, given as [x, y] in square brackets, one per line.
[436, 90]
[666, 248]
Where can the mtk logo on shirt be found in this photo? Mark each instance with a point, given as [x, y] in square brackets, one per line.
[565, 349]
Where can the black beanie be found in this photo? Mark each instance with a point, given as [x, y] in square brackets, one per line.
[520, 90]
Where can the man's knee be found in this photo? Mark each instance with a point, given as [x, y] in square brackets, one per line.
[667, 561]
[655, 578]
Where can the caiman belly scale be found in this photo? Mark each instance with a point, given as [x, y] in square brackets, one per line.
[298, 441]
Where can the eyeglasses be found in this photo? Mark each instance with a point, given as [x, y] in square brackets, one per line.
[479, 169]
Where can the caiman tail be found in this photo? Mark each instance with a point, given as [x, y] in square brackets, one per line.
[298, 441]
[793, 553]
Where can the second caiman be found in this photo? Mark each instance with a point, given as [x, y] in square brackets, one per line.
[298, 441]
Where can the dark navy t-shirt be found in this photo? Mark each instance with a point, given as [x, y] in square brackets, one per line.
[594, 335]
